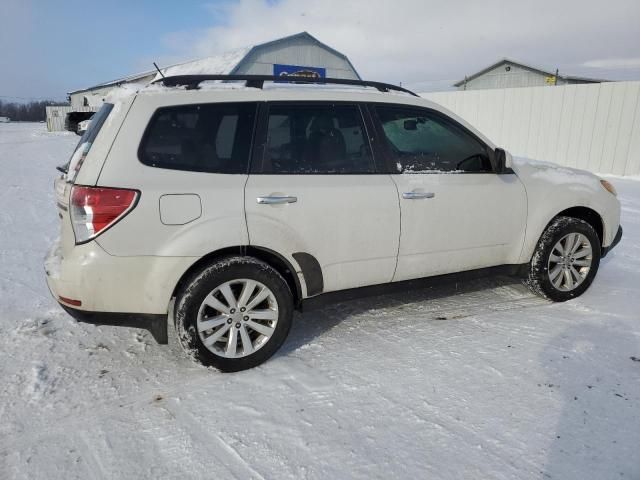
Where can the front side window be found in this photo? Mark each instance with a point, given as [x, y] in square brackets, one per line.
[212, 138]
[423, 142]
[316, 139]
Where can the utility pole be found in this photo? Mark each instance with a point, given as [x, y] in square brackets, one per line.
[465, 83]
[555, 80]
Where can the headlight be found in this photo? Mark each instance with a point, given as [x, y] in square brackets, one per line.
[609, 187]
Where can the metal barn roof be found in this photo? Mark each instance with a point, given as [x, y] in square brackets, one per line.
[225, 64]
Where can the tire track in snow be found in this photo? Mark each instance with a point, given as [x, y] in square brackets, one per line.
[453, 427]
[86, 446]
[180, 440]
[232, 461]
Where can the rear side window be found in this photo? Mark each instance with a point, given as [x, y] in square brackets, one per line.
[316, 139]
[212, 138]
[423, 142]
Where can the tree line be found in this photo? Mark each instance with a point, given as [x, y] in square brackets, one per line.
[33, 111]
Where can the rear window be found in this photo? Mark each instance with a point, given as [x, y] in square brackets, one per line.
[72, 167]
[212, 138]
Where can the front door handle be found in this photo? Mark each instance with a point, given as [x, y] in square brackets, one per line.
[272, 200]
[417, 195]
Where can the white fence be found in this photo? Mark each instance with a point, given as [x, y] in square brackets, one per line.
[595, 127]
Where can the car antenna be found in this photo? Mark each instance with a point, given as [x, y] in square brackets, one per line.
[158, 68]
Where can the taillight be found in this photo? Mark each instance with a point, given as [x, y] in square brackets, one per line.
[95, 209]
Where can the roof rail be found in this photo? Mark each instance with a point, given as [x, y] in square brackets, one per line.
[257, 81]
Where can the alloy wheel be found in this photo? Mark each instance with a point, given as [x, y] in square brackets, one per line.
[237, 318]
[570, 261]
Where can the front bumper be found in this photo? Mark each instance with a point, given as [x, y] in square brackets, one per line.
[616, 240]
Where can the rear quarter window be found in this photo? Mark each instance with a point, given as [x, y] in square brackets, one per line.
[213, 138]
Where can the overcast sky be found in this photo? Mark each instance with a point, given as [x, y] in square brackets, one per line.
[51, 47]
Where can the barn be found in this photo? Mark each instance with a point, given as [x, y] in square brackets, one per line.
[510, 74]
[301, 54]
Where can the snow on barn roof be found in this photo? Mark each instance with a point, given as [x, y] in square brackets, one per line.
[225, 63]
[117, 81]
[218, 64]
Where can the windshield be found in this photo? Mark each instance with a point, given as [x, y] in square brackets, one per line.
[81, 150]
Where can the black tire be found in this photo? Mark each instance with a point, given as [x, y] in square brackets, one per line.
[206, 280]
[538, 277]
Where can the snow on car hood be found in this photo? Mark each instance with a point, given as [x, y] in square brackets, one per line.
[554, 173]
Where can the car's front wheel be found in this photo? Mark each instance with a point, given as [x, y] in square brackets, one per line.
[565, 261]
[234, 314]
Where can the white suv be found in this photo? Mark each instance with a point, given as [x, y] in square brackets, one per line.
[226, 207]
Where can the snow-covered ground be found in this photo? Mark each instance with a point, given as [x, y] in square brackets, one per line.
[482, 381]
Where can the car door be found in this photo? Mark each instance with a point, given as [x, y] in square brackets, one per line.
[315, 196]
[457, 213]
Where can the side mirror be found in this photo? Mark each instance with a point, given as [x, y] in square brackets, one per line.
[503, 160]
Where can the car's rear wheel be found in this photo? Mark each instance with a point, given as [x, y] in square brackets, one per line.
[234, 314]
[565, 261]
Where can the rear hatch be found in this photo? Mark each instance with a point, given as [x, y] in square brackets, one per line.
[89, 154]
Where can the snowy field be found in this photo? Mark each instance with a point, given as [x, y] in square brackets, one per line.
[478, 381]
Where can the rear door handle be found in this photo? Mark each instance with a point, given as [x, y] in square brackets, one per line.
[276, 200]
[417, 195]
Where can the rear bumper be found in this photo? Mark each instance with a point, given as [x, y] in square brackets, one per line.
[155, 324]
[616, 240]
[89, 279]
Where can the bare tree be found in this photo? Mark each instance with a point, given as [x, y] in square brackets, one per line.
[33, 111]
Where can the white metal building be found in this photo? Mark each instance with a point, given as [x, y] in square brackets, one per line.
[510, 74]
[56, 115]
[299, 53]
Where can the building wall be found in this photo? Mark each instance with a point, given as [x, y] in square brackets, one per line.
[594, 126]
[56, 116]
[517, 76]
[298, 51]
[93, 97]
